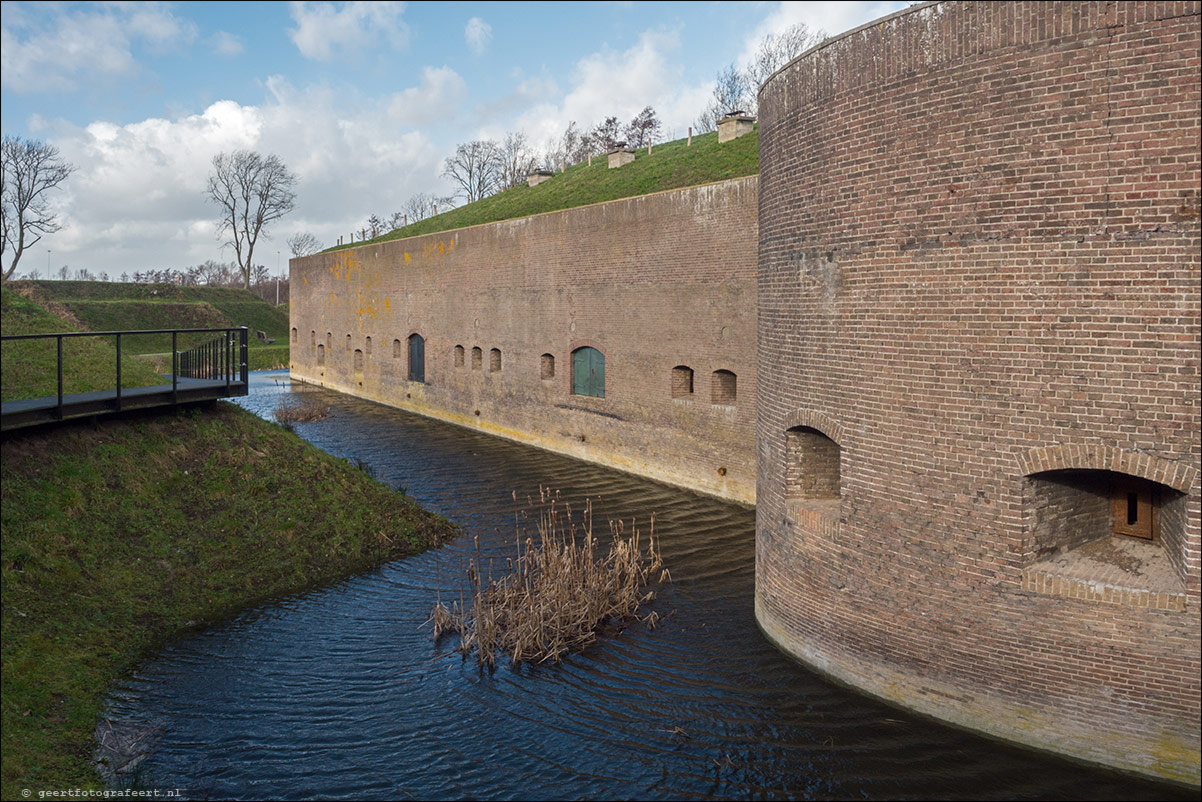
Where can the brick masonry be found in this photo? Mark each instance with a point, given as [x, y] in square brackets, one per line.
[656, 282]
[979, 264]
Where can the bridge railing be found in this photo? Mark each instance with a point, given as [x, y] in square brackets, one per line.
[221, 358]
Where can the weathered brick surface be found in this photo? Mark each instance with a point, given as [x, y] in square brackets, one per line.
[979, 258]
[653, 282]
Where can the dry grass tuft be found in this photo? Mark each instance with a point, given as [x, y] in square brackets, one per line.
[303, 410]
[561, 591]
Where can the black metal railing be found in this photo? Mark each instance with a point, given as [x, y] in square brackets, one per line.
[222, 358]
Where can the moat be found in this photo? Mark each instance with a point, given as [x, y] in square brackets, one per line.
[341, 693]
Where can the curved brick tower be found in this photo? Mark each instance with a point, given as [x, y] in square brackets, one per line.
[978, 360]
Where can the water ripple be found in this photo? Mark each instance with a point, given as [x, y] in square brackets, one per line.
[340, 693]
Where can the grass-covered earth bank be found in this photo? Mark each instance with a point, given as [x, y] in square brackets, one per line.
[120, 537]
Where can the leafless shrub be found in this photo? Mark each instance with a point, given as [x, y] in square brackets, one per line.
[301, 410]
[561, 590]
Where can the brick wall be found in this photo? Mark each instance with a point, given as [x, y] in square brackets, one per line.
[653, 282]
[979, 260]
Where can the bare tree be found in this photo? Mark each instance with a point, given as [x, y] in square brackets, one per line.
[253, 192]
[517, 160]
[605, 136]
[421, 206]
[732, 92]
[375, 226]
[643, 129]
[303, 244]
[30, 169]
[735, 89]
[475, 168]
[776, 50]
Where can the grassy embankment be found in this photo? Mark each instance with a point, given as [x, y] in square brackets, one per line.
[671, 165]
[28, 369]
[110, 306]
[118, 538]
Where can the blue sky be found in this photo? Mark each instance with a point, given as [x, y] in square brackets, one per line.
[363, 101]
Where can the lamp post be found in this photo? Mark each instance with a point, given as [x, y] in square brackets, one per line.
[47, 263]
[277, 278]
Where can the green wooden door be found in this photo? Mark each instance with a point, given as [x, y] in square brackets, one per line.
[588, 372]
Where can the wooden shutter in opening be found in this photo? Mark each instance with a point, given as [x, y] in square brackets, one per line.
[417, 358]
[1133, 511]
[588, 372]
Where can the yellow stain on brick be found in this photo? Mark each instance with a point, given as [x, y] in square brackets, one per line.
[407, 257]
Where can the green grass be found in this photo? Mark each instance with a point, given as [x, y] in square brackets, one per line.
[671, 165]
[111, 306]
[28, 369]
[119, 538]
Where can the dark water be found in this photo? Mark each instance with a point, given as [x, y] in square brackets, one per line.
[340, 694]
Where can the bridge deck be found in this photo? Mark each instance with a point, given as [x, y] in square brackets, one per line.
[36, 411]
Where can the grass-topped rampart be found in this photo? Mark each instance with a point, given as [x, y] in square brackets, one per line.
[672, 165]
[112, 306]
[29, 368]
[39, 307]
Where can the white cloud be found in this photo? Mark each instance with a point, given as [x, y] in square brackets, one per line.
[440, 96]
[138, 199]
[324, 30]
[478, 34]
[829, 18]
[621, 83]
[225, 44]
[75, 46]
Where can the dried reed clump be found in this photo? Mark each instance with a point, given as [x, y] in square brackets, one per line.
[560, 593]
[303, 410]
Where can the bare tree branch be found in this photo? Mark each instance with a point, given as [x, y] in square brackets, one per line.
[29, 170]
[252, 192]
[475, 168]
[303, 244]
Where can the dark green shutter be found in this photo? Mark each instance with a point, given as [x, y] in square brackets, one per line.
[417, 358]
[588, 372]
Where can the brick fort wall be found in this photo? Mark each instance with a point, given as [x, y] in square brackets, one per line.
[979, 316]
[660, 285]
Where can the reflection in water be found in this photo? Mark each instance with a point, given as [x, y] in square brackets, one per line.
[341, 693]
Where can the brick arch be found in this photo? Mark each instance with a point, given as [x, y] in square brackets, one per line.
[816, 420]
[1176, 475]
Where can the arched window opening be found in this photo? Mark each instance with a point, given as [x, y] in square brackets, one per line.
[330, 341]
[458, 356]
[348, 342]
[321, 355]
[546, 368]
[588, 372]
[682, 382]
[494, 360]
[1104, 535]
[417, 358]
[723, 388]
[367, 346]
[396, 349]
[294, 335]
[358, 366]
[477, 358]
[313, 338]
[1067, 508]
[811, 465]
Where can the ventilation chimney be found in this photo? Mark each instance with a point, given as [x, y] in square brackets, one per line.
[537, 177]
[620, 155]
[734, 125]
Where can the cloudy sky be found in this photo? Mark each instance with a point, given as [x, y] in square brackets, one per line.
[362, 100]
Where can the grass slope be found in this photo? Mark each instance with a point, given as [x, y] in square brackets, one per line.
[28, 369]
[671, 165]
[119, 538]
[110, 306]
